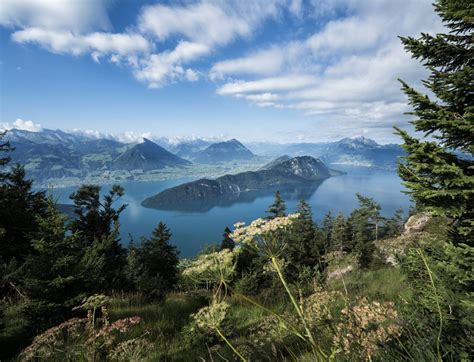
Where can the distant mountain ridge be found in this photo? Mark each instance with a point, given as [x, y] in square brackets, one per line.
[58, 154]
[147, 156]
[295, 171]
[358, 152]
[223, 152]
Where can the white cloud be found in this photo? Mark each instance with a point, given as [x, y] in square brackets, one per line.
[165, 67]
[97, 44]
[23, 125]
[73, 15]
[201, 22]
[266, 61]
[282, 83]
[348, 70]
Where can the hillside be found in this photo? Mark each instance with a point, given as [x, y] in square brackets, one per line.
[356, 152]
[146, 156]
[224, 152]
[296, 171]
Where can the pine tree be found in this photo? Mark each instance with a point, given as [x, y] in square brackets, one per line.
[95, 217]
[326, 231]
[394, 225]
[4, 147]
[227, 242]
[438, 176]
[51, 275]
[158, 261]
[97, 224]
[301, 250]
[19, 208]
[338, 235]
[278, 208]
[372, 211]
[364, 224]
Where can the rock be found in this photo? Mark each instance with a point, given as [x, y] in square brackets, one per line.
[417, 223]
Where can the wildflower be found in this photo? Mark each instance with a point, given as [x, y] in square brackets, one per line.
[215, 267]
[261, 234]
[365, 327]
[211, 317]
[55, 339]
[136, 349]
[317, 307]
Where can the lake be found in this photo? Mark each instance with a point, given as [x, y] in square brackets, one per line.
[192, 228]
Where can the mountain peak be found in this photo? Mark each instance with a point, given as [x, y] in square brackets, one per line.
[224, 151]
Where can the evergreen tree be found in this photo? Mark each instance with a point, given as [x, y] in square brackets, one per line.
[4, 147]
[278, 208]
[97, 224]
[439, 173]
[439, 177]
[158, 261]
[104, 263]
[394, 225]
[371, 210]
[301, 250]
[50, 276]
[326, 231]
[364, 225]
[227, 242]
[95, 218]
[338, 235]
[20, 207]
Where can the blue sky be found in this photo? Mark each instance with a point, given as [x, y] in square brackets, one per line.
[278, 70]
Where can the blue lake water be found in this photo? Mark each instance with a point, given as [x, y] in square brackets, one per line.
[192, 228]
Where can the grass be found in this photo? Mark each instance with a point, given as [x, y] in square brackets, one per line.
[15, 335]
[384, 284]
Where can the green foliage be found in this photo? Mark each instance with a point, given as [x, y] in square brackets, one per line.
[338, 240]
[95, 218]
[51, 275]
[394, 225]
[97, 227]
[278, 208]
[156, 261]
[302, 249]
[364, 224]
[19, 208]
[441, 301]
[438, 176]
[227, 242]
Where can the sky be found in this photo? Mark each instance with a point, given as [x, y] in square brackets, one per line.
[273, 70]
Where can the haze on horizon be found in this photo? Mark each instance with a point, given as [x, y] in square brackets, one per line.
[283, 71]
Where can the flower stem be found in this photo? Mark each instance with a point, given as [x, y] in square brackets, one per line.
[293, 301]
[230, 345]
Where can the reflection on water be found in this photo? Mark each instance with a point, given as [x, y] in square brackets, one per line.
[195, 226]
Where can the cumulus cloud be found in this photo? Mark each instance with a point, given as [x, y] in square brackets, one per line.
[22, 124]
[201, 22]
[283, 83]
[347, 70]
[97, 44]
[266, 61]
[74, 15]
[165, 67]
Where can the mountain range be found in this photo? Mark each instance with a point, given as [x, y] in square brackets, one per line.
[57, 154]
[283, 173]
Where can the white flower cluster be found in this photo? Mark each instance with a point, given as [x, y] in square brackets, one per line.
[212, 267]
[211, 317]
[259, 227]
